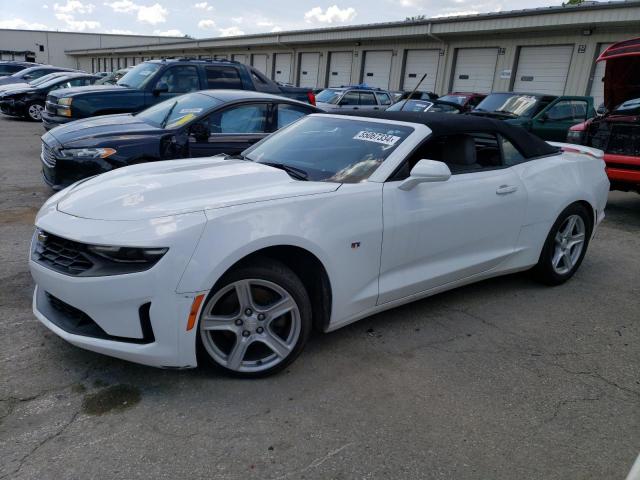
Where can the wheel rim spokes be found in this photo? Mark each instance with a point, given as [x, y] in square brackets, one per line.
[568, 244]
[258, 335]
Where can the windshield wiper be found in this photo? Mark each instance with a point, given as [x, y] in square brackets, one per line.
[294, 172]
[237, 156]
[505, 112]
[166, 117]
[123, 84]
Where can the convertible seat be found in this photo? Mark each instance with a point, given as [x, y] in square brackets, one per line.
[459, 153]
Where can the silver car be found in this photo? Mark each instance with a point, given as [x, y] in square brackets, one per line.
[341, 99]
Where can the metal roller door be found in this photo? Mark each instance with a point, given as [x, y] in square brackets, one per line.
[417, 63]
[543, 69]
[282, 72]
[475, 70]
[260, 62]
[377, 69]
[241, 57]
[597, 85]
[308, 73]
[340, 68]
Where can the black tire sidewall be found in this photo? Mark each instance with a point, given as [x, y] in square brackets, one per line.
[278, 273]
[544, 269]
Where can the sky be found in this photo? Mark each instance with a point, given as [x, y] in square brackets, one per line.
[220, 18]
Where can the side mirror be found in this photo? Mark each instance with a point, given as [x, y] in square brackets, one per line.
[199, 131]
[27, 77]
[426, 171]
[543, 118]
[161, 88]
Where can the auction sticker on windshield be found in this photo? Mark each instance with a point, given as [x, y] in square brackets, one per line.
[381, 138]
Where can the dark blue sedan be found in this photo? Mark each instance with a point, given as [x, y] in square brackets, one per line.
[199, 124]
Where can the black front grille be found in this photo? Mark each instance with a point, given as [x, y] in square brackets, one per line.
[47, 156]
[615, 138]
[60, 254]
[624, 140]
[75, 321]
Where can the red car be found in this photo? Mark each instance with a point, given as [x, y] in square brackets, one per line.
[617, 131]
[468, 101]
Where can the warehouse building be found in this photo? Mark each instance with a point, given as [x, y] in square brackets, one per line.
[49, 46]
[546, 50]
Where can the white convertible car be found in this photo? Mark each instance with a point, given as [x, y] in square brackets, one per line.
[234, 260]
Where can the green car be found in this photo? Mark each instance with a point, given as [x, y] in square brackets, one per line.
[546, 116]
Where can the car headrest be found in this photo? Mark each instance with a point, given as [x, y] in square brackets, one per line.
[459, 150]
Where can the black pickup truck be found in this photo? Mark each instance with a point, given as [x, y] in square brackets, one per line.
[157, 80]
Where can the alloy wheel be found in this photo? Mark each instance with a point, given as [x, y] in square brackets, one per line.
[250, 325]
[568, 244]
[35, 111]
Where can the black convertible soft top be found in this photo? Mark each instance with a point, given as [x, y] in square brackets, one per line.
[447, 124]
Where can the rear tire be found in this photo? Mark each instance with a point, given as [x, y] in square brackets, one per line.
[256, 320]
[34, 111]
[565, 246]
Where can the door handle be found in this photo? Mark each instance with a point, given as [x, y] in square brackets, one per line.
[506, 189]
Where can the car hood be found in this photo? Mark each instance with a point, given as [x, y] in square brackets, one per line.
[14, 86]
[96, 128]
[90, 89]
[174, 187]
[10, 80]
[17, 91]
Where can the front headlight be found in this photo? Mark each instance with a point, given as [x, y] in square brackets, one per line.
[128, 254]
[87, 153]
[65, 101]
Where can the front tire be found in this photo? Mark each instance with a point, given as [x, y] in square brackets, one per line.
[256, 321]
[34, 111]
[565, 246]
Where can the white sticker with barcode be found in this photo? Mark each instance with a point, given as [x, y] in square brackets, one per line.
[381, 138]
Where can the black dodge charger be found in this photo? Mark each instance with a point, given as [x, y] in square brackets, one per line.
[28, 101]
[198, 124]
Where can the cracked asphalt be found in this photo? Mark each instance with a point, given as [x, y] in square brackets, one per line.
[504, 379]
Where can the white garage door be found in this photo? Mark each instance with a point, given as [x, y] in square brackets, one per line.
[283, 68]
[309, 65]
[377, 69]
[543, 69]
[340, 68]
[475, 69]
[240, 57]
[418, 63]
[597, 85]
[260, 62]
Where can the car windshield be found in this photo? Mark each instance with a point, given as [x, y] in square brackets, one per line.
[328, 96]
[630, 107]
[139, 75]
[328, 149]
[508, 103]
[46, 78]
[179, 111]
[459, 99]
[53, 80]
[410, 106]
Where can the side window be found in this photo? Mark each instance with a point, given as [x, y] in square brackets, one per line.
[367, 98]
[79, 82]
[384, 99]
[289, 113]
[568, 110]
[350, 98]
[474, 101]
[182, 79]
[223, 77]
[39, 73]
[241, 119]
[463, 153]
[510, 154]
[61, 85]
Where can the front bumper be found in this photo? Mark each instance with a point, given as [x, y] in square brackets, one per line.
[50, 120]
[138, 316]
[623, 171]
[12, 108]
